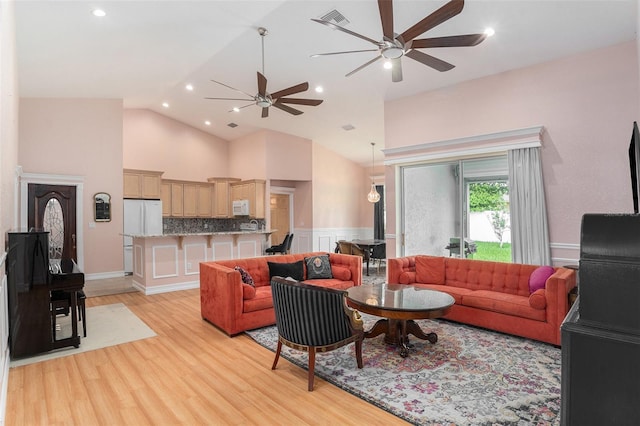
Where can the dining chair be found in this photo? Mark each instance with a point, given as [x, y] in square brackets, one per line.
[280, 248]
[314, 319]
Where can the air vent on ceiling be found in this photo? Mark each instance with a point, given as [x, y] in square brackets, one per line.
[335, 17]
[232, 125]
[348, 127]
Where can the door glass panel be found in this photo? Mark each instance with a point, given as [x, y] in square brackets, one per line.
[431, 208]
[487, 221]
[53, 222]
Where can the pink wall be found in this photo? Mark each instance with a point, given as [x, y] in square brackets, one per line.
[282, 150]
[587, 104]
[340, 189]
[92, 149]
[152, 141]
[8, 120]
[247, 157]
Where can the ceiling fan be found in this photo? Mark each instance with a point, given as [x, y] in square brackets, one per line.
[394, 46]
[277, 99]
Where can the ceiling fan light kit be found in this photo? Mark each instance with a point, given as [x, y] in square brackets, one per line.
[264, 99]
[394, 46]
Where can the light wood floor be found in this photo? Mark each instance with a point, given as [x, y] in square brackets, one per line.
[191, 373]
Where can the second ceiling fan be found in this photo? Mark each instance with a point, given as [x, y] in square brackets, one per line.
[277, 99]
[394, 46]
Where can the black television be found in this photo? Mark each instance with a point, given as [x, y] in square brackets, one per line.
[634, 164]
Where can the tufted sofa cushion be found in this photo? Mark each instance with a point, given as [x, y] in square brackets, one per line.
[511, 278]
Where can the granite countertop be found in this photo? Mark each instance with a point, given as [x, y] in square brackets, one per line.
[190, 234]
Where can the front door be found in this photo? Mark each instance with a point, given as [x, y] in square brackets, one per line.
[52, 208]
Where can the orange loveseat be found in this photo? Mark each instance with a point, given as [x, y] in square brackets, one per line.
[234, 306]
[492, 295]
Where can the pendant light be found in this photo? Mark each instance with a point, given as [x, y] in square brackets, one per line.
[373, 195]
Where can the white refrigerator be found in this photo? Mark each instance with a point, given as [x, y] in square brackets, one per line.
[141, 217]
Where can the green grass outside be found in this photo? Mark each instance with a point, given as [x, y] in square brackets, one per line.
[492, 251]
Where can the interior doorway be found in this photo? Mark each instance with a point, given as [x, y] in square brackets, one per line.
[280, 213]
[52, 208]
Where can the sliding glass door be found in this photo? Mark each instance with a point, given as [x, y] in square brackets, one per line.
[456, 208]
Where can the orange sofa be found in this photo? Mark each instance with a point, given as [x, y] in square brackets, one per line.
[492, 295]
[234, 307]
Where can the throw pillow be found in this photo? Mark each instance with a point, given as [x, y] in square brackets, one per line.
[407, 278]
[248, 291]
[538, 300]
[340, 273]
[318, 267]
[294, 270]
[245, 276]
[538, 278]
[430, 269]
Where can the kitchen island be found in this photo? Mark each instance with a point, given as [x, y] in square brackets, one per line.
[171, 262]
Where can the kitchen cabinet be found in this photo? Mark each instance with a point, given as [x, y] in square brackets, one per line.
[221, 196]
[165, 196]
[141, 184]
[187, 199]
[254, 191]
[176, 200]
[205, 200]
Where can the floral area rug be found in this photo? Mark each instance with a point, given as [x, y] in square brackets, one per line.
[471, 376]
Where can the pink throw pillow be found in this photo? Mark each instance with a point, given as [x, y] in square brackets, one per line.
[538, 278]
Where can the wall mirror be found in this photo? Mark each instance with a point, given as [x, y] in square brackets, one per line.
[102, 207]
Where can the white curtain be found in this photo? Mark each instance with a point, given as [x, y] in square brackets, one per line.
[529, 228]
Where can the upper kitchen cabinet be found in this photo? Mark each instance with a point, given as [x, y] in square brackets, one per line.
[187, 199]
[141, 184]
[254, 191]
[221, 196]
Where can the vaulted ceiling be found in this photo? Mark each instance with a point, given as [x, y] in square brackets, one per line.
[146, 52]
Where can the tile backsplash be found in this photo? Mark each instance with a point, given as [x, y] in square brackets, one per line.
[172, 225]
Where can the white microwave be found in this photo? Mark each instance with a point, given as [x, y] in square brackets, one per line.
[240, 208]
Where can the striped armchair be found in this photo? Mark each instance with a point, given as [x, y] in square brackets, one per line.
[314, 319]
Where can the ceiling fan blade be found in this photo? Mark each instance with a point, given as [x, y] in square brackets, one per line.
[230, 99]
[298, 101]
[233, 88]
[244, 106]
[386, 16]
[340, 53]
[291, 90]
[446, 12]
[366, 64]
[430, 61]
[344, 30]
[451, 41]
[262, 84]
[396, 70]
[286, 108]
[265, 112]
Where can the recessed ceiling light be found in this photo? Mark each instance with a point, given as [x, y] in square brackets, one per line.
[319, 89]
[189, 87]
[99, 13]
[489, 32]
[236, 109]
[387, 65]
[165, 104]
[207, 123]
[348, 127]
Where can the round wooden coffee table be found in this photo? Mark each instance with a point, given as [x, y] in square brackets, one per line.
[399, 305]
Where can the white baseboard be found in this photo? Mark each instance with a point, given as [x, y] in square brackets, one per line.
[103, 275]
[157, 289]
